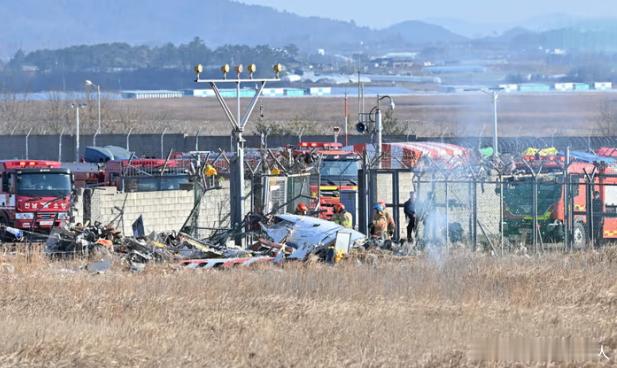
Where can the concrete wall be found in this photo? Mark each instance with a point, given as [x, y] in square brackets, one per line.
[162, 211]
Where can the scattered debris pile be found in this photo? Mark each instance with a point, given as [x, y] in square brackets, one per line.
[281, 238]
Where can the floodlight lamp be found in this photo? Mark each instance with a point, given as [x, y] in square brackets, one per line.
[278, 68]
[252, 68]
[199, 69]
[225, 69]
[239, 69]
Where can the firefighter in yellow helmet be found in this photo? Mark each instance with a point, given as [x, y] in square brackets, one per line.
[379, 225]
[342, 217]
[389, 218]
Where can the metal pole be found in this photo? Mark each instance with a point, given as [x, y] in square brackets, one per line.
[566, 200]
[60, 145]
[197, 140]
[534, 212]
[501, 219]
[128, 136]
[379, 128]
[495, 139]
[395, 204]
[346, 120]
[98, 129]
[474, 196]
[447, 218]
[77, 134]
[27, 145]
[162, 141]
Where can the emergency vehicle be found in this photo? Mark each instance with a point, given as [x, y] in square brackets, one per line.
[147, 175]
[35, 195]
[552, 202]
[338, 176]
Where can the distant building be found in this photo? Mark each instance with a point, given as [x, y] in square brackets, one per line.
[602, 86]
[156, 94]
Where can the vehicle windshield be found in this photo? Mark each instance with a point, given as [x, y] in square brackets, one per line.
[154, 183]
[518, 197]
[339, 168]
[43, 184]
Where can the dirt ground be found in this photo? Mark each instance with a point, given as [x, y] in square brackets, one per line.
[467, 115]
[442, 309]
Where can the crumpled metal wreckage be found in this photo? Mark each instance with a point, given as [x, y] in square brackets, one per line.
[283, 238]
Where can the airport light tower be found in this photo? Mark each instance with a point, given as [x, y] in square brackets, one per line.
[238, 123]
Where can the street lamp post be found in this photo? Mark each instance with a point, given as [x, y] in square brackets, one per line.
[77, 107]
[495, 134]
[379, 127]
[494, 93]
[98, 95]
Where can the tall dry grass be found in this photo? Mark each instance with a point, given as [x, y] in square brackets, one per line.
[430, 115]
[425, 311]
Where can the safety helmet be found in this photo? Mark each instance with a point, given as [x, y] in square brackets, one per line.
[378, 207]
[339, 207]
[301, 207]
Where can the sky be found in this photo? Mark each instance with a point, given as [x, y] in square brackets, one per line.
[389, 12]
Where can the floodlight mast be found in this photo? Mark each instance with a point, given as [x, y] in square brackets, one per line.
[238, 123]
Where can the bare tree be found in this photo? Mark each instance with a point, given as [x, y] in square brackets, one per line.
[56, 112]
[391, 125]
[12, 109]
[606, 120]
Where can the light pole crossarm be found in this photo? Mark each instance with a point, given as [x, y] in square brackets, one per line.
[234, 81]
[251, 107]
[224, 105]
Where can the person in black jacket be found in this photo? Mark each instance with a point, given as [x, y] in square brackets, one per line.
[409, 207]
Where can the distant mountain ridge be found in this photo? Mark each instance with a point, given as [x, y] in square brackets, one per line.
[36, 24]
[40, 24]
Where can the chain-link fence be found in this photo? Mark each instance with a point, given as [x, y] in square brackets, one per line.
[527, 212]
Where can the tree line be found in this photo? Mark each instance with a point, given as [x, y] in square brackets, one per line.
[124, 66]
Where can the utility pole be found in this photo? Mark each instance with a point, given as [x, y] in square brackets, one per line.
[346, 120]
[60, 145]
[238, 123]
[77, 107]
[495, 139]
[98, 95]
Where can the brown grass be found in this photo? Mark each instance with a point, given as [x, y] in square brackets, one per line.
[451, 115]
[422, 311]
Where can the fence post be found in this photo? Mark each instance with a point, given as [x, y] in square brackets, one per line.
[534, 211]
[395, 204]
[474, 213]
[27, 144]
[501, 217]
[447, 218]
[162, 141]
[60, 145]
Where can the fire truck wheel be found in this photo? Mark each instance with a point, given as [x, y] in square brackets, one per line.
[579, 236]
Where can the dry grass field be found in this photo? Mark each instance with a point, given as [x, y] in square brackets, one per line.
[432, 115]
[418, 312]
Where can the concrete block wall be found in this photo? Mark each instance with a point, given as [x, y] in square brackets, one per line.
[165, 210]
[161, 211]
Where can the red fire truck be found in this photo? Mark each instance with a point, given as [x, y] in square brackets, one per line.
[35, 195]
[551, 200]
[338, 174]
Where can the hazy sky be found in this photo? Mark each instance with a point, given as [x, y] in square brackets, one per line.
[391, 11]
